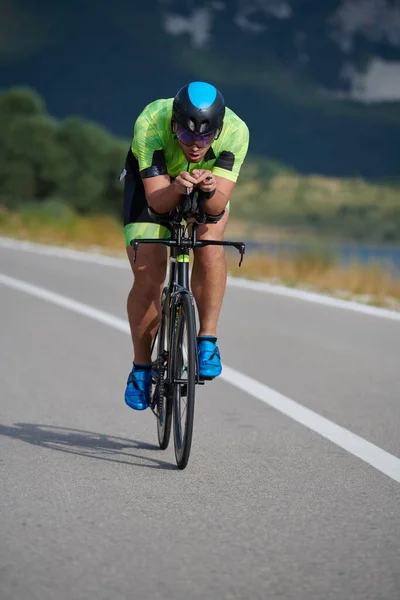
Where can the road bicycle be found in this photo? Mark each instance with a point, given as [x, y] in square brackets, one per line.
[175, 372]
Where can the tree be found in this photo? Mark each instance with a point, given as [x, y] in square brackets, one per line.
[41, 158]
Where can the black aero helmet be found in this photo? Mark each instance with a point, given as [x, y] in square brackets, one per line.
[199, 107]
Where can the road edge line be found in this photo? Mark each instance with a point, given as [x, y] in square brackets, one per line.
[373, 455]
[235, 282]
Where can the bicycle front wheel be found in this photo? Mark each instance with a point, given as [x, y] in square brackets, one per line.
[162, 401]
[184, 379]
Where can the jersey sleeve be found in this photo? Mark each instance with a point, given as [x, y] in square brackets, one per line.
[147, 147]
[229, 162]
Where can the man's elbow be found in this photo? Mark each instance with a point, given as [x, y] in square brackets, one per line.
[216, 205]
[152, 202]
[155, 201]
[159, 203]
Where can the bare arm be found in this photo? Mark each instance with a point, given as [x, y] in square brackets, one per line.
[223, 191]
[222, 187]
[162, 195]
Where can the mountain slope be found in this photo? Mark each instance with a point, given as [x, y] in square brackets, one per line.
[291, 68]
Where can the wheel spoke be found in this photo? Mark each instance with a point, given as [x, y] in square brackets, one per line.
[184, 370]
[161, 400]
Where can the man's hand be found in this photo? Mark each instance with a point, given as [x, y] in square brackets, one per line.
[205, 180]
[184, 180]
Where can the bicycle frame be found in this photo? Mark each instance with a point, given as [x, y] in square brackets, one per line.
[172, 395]
[178, 276]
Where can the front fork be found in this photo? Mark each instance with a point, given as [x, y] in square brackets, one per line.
[171, 301]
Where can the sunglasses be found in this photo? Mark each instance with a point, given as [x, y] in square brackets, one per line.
[188, 138]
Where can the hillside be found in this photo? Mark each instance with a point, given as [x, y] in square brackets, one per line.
[71, 166]
[315, 81]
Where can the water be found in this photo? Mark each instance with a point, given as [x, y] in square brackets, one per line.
[384, 256]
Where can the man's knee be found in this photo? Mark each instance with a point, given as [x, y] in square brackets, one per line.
[150, 266]
[215, 231]
[209, 255]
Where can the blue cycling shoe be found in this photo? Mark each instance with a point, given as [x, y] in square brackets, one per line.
[209, 357]
[137, 393]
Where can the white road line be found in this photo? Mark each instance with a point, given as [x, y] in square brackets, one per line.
[373, 455]
[280, 290]
[69, 253]
[68, 303]
[257, 286]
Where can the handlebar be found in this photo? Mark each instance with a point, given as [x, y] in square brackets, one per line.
[186, 210]
[187, 243]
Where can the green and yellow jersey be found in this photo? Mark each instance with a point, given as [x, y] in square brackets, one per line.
[158, 151]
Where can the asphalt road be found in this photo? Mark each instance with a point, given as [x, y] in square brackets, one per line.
[267, 508]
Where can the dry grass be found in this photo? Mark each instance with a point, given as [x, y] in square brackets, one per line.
[81, 232]
[370, 284]
[320, 191]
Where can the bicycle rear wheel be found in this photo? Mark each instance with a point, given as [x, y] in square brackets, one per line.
[162, 401]
[184, 374]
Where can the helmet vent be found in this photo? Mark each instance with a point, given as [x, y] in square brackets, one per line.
[199, 107]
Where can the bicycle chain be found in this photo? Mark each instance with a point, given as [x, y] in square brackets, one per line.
[159, 389]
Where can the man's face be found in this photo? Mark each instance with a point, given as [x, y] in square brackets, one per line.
[194, 145]
[194, 153]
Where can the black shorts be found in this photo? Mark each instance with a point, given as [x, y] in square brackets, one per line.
[137, 222]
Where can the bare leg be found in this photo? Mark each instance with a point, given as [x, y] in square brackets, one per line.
[144, 298]
[209, 277]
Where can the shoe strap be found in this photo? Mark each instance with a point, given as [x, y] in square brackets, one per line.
[132, 375]
[132, 379]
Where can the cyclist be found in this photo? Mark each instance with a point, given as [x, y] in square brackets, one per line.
[191, 141]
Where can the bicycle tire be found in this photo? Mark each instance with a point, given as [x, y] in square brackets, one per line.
[185, 327]
[164, 401]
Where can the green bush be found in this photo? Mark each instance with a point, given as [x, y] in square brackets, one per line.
[78, 163]
[41, 158]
